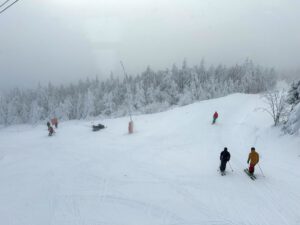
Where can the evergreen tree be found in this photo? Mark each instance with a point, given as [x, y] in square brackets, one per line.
[152, 91]
[294, 94]
[292, 126]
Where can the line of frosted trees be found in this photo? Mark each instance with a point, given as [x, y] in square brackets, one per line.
[150, 91]
[292, 124]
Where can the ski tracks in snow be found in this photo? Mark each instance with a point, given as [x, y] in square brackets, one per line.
[165, 174]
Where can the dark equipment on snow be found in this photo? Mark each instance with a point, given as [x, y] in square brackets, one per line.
[98, 127]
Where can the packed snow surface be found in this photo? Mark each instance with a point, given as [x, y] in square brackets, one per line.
[165, 173]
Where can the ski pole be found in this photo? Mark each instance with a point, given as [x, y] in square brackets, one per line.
[261, 171]
[230, 166]
[219, 166]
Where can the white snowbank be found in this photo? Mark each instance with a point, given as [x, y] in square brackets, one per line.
[164, 173]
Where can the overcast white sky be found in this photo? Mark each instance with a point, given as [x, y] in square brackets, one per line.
[64, 40]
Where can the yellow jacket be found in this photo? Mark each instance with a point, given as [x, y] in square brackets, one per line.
[253, 157]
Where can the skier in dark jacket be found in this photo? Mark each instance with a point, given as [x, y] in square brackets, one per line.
[224, 157]
[51, 130]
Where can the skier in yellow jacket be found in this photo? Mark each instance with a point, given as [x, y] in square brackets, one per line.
[253, 159]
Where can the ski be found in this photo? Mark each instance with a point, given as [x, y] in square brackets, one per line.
[252, 176]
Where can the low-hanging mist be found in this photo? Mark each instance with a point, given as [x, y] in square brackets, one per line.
[152, 91]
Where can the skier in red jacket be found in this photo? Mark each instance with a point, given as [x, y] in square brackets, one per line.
[215, 117]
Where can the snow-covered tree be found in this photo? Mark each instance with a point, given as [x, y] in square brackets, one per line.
[293, 97]
[292, 126]
[276, 105]
[151, 91]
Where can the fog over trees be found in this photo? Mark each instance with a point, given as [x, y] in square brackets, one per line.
[151, 91]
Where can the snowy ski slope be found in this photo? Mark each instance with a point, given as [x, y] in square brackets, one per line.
[163, 174]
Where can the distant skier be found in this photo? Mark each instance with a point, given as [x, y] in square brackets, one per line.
[48, 124]
[215, 117]
[253, 158]
[54, 122]
[51, 130]
[224, 157]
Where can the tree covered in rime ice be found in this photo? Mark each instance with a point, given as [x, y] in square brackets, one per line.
[276, 105]
[294, 94]
[151, 91]
[292, 126]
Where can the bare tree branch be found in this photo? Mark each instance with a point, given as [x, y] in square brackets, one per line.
[276, 105]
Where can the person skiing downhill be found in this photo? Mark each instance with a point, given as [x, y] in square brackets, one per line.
[215, 117]
[253, 159]
[51, 130]
[54, 122]
[224, 157]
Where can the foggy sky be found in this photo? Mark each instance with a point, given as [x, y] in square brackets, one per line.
[63, 41]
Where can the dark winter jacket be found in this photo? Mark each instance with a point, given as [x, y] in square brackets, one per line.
[225, 156]
[51, 130]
